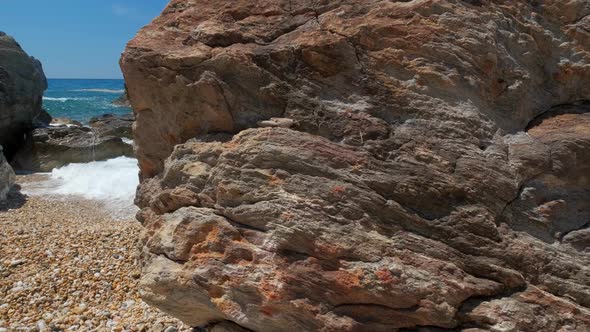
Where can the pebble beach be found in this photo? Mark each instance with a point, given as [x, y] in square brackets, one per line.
[67, 265]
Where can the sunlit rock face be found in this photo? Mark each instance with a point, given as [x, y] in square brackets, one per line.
[433, 172]
[22, 83]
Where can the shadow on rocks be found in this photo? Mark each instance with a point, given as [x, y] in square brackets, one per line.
[14, 200]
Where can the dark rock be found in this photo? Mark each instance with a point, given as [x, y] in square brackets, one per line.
[22, 83]
[42, 119]
[113, 125]
[52, 147]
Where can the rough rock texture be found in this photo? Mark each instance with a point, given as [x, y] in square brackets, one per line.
[22, 83]
[113, 125]
[6, 176]
[51, 147]
[434, 174]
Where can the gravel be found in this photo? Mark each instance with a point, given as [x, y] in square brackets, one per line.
[66, 265]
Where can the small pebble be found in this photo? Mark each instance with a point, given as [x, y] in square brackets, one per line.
[17, 262]
[75, 278]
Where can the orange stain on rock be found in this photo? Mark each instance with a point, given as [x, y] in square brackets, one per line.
[270, 288]
[338, 190]
[273, 180]
[287, 215]
[213, 235]
[326, 249]
[385, 276]
[267, 310]
[347, 279]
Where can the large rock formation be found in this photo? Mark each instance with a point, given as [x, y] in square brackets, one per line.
[22, 83]
[6, 176]
[433, 173]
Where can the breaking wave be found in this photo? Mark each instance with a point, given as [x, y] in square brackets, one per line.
[64, 99]
[112, 182]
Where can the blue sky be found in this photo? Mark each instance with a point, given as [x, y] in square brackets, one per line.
[77, 38]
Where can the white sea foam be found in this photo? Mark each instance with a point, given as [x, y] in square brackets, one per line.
[63, 124]
[64, 99]
[100, 90]
[127, 140]
[112, 182]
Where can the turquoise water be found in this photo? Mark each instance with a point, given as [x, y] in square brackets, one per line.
[82, 99]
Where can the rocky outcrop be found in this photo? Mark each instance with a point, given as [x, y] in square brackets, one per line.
[113, 125]
[426, 167]
[22, 83]
[56, 146]
[6, 176]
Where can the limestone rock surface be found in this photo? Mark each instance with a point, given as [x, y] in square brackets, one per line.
[7, 176]
[22, 83]
[433, 175]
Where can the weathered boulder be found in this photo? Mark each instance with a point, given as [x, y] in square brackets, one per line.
[6, 176]
[113, 125]
[22, 83]
[56, 146]
[433, 172]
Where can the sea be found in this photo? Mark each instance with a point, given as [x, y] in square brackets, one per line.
[112, 182]
[82, 99]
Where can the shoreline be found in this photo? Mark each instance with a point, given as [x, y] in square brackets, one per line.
[67, 264]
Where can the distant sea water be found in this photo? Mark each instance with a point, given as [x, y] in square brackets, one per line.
[82, 99]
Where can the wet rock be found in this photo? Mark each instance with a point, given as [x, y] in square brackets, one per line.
[53, 147]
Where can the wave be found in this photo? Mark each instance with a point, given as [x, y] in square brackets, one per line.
[100, 90]
[112, 182]
[64, 99]
[127, 140]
